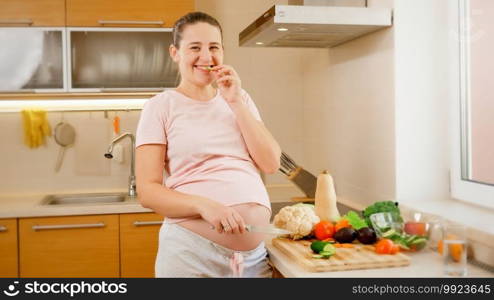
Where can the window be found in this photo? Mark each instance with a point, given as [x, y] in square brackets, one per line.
[472, 173]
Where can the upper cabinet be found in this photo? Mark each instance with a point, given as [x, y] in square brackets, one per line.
[70, 46]
[93, 13]
[33, 12]
[120, 59]
[125, 13]
[35, 59]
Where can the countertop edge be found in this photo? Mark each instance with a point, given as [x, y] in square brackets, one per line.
[74, 210]
[30, 206]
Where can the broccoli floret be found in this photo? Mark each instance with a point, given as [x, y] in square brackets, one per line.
[382, 206]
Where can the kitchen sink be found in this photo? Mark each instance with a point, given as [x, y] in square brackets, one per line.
[94, 198]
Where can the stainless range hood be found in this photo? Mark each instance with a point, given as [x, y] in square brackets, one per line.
[313, 26]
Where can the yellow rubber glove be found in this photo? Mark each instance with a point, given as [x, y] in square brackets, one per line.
[38, 138]
[41, 127]
[36, 127]
[35, 134]
[26, 117]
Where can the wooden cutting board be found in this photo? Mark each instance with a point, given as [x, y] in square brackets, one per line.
[358, 257]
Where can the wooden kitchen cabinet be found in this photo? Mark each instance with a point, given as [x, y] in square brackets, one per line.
[139, 243]
[70, 246]
[32, 13]
[8, 248]
[157, 13]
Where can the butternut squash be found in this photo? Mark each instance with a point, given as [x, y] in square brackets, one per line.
[325, 198]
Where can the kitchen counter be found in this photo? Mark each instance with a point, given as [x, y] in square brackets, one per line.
[29, 205]
[425, 263]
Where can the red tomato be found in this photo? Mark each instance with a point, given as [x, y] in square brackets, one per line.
[386, 246]
[324, 230]
[342, 224]
[395, 249]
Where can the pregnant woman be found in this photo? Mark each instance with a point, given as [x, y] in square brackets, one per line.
[209, 137]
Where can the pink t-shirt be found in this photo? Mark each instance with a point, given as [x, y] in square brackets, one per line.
[206, 152]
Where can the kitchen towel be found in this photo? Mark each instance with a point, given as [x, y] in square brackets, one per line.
[92, 141]
[36, 127]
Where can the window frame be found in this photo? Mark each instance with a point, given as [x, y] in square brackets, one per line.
[474, 192]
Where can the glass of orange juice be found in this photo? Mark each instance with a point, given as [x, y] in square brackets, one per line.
[453, 247]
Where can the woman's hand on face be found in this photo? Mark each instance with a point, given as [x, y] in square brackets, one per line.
[224, 219]
[228, 82]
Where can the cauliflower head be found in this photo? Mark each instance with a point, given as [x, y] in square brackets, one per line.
[299, 219]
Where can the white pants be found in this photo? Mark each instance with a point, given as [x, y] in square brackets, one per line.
[183, 253]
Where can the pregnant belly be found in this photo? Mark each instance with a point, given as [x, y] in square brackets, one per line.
[252, 213]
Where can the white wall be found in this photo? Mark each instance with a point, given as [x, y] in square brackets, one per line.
[349, 115]
[376, 109]
[24, 170]
[422, 100]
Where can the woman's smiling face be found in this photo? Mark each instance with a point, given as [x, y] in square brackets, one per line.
[200, 47]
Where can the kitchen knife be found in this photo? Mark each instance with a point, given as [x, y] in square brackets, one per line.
[266, 229]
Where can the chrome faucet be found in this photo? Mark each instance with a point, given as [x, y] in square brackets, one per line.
[109, 155]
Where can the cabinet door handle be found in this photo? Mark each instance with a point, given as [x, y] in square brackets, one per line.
[125, 22]
[3, 228]
[16, 21]
[68, 226]
[147, 223]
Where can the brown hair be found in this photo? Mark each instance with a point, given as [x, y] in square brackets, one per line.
[189, 19]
